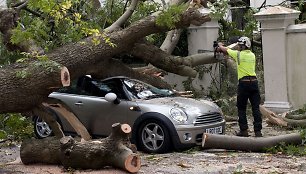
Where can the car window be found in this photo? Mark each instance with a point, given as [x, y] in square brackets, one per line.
[85, 85]
[73, 89]
[138, 89]
[113, 85]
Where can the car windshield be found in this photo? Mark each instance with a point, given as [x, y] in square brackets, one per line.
[140, 90]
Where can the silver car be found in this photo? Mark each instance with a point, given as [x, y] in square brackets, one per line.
[160, 119]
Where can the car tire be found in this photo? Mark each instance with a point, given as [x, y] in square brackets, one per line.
[153, 137]
[41, 128]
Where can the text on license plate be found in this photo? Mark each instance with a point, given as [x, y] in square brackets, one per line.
[214, 130]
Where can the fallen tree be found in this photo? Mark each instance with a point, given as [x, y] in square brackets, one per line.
[229, 142]
[40, 74]
[115, 151]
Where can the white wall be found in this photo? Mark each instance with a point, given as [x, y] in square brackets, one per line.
[296, 61]
[257, 3]
[3, 4]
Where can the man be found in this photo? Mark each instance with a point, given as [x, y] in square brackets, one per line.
[247, 86]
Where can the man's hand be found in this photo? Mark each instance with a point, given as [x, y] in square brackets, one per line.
[222, 48]
[220, 44]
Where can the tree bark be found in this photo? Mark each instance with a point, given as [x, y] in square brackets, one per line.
[111, 151]
[46, 151]
[216, 141]
[26, 85]
[175, 64]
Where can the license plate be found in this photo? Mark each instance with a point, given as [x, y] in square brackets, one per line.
[214, 130]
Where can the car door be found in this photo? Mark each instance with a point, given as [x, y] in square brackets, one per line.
[98, 115]
[90, 106]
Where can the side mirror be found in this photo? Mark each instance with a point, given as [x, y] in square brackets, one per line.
[112, 97]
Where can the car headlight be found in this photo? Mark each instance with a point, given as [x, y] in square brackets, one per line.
[178, 115]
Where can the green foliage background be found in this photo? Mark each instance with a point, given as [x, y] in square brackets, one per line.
[15, 127]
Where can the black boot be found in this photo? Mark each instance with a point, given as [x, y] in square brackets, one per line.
[243, 133]
[258, 134]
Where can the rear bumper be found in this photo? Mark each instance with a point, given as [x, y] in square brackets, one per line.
[190, 135]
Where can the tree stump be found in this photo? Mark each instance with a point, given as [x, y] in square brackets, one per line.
[110, 151]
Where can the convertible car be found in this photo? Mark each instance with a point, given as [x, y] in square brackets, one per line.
[160, 119]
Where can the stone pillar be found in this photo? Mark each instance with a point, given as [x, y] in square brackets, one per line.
[200, 40]
[274, 22]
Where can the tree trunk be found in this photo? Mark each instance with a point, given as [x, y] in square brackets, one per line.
[111, 151]
[23, 86]
[216, 141]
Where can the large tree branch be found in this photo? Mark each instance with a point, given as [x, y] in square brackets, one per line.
[117, 68]
[173, 36]
[175, 64]
[8, 21]
[27, 86]
[79, 56]
[171, 40]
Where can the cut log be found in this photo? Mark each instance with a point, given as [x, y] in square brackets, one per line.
[46, 151]
[110, 151]
[36, 81]
[216, 141]
[65, 77]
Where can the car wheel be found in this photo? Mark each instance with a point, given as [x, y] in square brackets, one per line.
[41, 128]
[153, 137]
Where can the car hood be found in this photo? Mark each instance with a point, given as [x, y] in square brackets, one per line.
[190, 105]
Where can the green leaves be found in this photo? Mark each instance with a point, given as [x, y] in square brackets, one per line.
[169, 17]
[218, 9]
[55, 23]
[16, 126]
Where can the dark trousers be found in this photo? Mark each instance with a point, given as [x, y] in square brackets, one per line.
[248, 90]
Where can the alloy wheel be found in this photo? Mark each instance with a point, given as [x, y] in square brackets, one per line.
[42, 129]
[152, 136]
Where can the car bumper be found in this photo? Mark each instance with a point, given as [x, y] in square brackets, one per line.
[189, 135]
